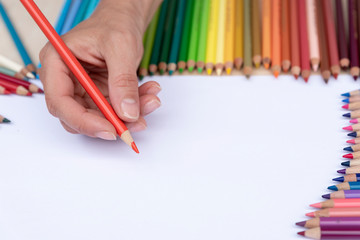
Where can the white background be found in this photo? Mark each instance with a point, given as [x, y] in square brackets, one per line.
[224, 158]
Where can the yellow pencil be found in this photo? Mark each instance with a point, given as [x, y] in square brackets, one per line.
[266, 33]
[229, 36]
[211, 44]
[239, 34]
[220, 38]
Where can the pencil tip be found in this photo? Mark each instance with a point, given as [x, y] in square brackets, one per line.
[40, 90]
[349, 155]
[190, 69]
[218, 71]
[5, 120]
[345, 94]
[310, 214]
[181, 70]
[352, 134]
[348, 128]
[355, 78]
[352, 141]
[301, 233]
[257, 65]
[161, 71]
[346, 100]
[315, 67]
[354, 121]
[306, 79]
[349, 149]
[134, 147]
[200, 70]
[346, 164]
[296, 76]
[338, 179]
[267, 65]
[316, 205]
[29, 94]
[333, 188]
[228, 71]
[276, 74]
[348, 115]
[326, 196]
[301, 224]
[141, 77]
[336, 75]
[346, 106]
[209, 71]
[341, 171]
[171, 72]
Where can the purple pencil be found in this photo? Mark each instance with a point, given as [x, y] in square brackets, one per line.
[342, 43]
[332, 223]
[343, 194]
[317, 233]
[353, 39]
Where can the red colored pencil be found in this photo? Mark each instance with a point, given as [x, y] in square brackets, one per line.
[79, 72]
[4, 91]
[31, 87]
[304, 42]
[15, 88]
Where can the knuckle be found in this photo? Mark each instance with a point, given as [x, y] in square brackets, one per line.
[125, 81]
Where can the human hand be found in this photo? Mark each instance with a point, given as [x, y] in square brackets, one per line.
[109, 46]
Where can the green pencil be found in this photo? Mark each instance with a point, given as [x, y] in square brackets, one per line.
[148, 45]
[201, 50]
[155, 54]
[247, 39]
[168, 31]
[194, 35]
[184, 46]
[174, 53]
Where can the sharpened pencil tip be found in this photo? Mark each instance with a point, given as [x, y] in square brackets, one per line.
[190, 69]
[267, 65]
[346, 164]
[333, 188]
[352, 134]
[306, 80]
[301, 224]
[5, 120]
[346, 100]
[336, 75]
[338, 179]
[29, 94]
[296, 76]
[352, 141]
[171, 72]
[349, 149]
[350, 156]
[310, 214]
[326, 196]
[316, 205]
[348, 115]
[228, 71]
[301, 233]
[257, 65]
[161, 71]
[200, 70]
[345, 95]
[218, 71]
[276, 74]
[209, 71]
[134, 147]
[348, 128]
[346, 106]
[341, 171]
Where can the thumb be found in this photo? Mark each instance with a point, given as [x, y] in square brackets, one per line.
[123, 83]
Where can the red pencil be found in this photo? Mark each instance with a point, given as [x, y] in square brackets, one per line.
[4, 91]
[31, 87]
[304, 42]
[79, 72]
[14, 88]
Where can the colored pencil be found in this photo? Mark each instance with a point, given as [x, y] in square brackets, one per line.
[294, 39]
[5, 62]
[14, 88]
[355, 140]
[324, 55]
[155, 53]
[285, 36]
[239, 34]
[74, 8]
[62, 16]
[247, 38]
[352, 106]
[352, 163]
[13, 73]
[229, 36]
[149, 44]
[353, 134]
[334, 223]
[219, 59]
[357, 10]
[168, 31]
[318, 233]
[211, 44]
[355, 177]
[304, 43]
[354, 154]
[342, 194]
[351, 99]
[185, 40]
[355, 127]
[79, 72]
[256, 32]
[353, 39]
[4, 91]
[345, 186]
[91, 8]
[19, 45]
[313, 34]
[201, 53]
[30, 86]
[350, 170]
[266, 32]
[338, 203]
[174, 50]
[276, 37]
[4, 120]
[331, 38]
[352, 93]
[81, 13]
[335, 212]
[194, 35]
[353, 114]
[341, 35]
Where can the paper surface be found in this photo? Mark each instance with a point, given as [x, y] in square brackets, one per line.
[224, 158]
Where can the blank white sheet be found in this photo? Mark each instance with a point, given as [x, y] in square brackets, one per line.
[224, 158]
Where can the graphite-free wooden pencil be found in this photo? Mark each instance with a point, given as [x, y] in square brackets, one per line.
[211, 43]
[219, 59]
[353, 39]
[194, 35]
[304, 43]
[201, 51]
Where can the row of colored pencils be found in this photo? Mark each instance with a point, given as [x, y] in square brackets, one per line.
[339, 216]
[282, 35]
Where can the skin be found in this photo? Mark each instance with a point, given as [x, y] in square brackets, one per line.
[109, 46]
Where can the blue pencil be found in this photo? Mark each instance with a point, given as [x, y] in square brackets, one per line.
[71, 16]
[91, 8]
[19, 45]
[81, 13]
[63, 15]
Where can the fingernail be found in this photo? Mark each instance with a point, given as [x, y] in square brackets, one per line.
[154, 89]
[109, 136]
[136, 127]
[151, 106]
[130, 108]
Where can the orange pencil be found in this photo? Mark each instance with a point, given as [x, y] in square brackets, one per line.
[266, 33]
[285, 34]
[294, 39]
[79, 72]
[276, 37]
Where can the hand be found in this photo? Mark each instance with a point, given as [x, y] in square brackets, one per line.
[109, 46]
